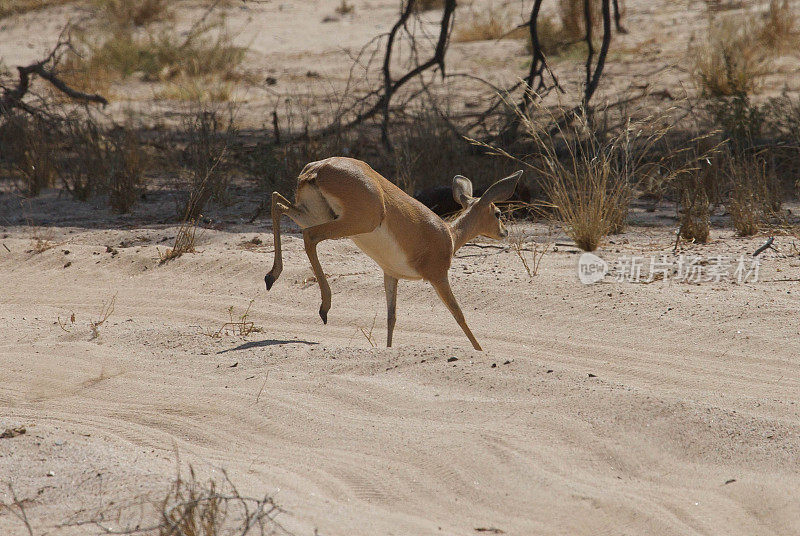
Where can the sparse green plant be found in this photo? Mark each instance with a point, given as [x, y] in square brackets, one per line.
[105, 312]
[537, 252]
[240, 326]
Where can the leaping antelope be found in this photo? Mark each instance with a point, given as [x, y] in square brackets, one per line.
[343, 197]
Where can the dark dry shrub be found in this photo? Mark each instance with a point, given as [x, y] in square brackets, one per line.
[85, 169]
[208, 137]
[739, 121]
[127, 162]
[694, 217]
[416, 167]
[27, 151]
[754, 196]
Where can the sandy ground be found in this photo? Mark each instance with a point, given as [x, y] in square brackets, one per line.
[614, 408]
[308, 51]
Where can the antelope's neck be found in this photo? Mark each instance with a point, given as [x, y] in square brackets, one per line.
[462, 230]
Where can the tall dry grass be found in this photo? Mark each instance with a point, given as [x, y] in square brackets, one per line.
[483, 25]
[156, 56]
[738, 51]
[587, 173]
[126, 13]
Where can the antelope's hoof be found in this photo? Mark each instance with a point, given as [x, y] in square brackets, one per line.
[269, 280]
[323, 315]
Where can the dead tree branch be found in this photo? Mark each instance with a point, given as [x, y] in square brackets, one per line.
[392, 85]
[13, 97]
[593, 77]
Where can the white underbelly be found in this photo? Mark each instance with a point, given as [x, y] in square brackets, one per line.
[381, 246]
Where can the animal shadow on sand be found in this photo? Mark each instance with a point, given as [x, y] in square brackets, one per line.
[265, 343]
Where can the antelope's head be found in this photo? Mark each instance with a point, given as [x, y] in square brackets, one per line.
[481, 216]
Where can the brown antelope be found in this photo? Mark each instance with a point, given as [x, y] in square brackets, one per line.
[343, 197]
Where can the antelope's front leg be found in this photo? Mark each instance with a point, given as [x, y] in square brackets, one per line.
[442, 288]
[343, 226]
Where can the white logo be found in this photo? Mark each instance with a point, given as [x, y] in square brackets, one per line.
[591, 268]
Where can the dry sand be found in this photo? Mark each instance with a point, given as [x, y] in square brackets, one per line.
[615, 408]
[668, 408]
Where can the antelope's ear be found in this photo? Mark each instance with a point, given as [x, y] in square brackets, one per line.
[502, 189]
[462, 190]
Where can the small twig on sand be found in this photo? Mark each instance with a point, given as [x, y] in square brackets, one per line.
[766, 246]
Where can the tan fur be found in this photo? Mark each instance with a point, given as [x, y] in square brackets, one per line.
[343, 197]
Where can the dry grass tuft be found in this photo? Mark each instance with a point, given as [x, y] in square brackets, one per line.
[206, 51]
[344, 8]
[483, 25]
[184, 241]
[779, 30]
[127, 13]
[731, 61]
[42, 240]
[571, 15]
[193, 508]
[208, 88]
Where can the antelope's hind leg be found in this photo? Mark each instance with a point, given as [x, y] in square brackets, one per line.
[280, 206]
[390, 286]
